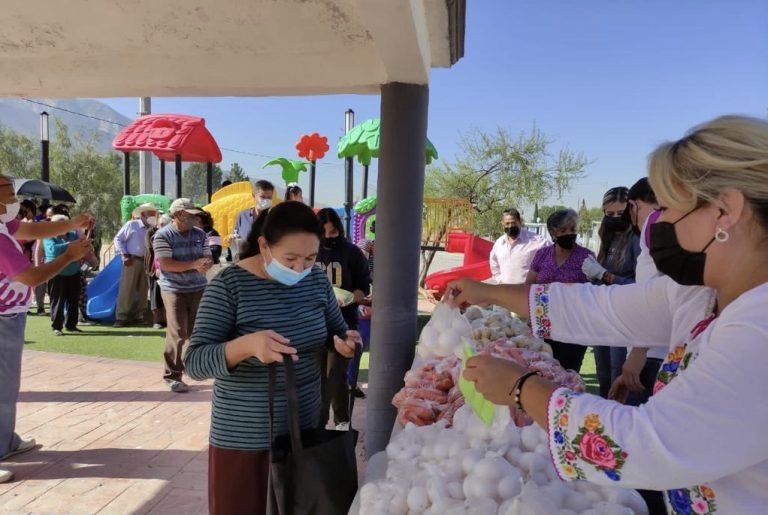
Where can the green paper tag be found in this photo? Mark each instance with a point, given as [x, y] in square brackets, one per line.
[482, 407]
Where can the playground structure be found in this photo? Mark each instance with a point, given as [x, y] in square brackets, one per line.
[170, 137]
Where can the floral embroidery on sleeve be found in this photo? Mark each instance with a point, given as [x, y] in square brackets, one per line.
[591, 444]
[699, 500]
[678, 360]
[541, 324]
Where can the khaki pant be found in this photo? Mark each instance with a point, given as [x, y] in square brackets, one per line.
[180, 313]
[133, 281]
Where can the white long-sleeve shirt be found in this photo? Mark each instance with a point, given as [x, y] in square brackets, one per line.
[702, 436]
[129, 241]
[645, 269]
[511, 261]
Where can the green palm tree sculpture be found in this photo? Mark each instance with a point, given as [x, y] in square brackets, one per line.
[363, 142]
[291, 168]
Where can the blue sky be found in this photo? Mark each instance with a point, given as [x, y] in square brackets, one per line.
[608, 78]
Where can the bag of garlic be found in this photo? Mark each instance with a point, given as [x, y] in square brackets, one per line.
[472, 468]
[443, 333]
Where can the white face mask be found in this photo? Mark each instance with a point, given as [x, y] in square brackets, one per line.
[151, 221]
[264, 203]
[11, 211]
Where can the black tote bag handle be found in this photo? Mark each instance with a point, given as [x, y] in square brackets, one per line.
[291, 393]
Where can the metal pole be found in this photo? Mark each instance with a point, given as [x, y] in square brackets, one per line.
[209, 181]
[365, 181]
[162, 177]
[312, 170]
[398, 235]
[126, 173]
[145, 158]
[45, 161]
[178, 176]
[349, 123]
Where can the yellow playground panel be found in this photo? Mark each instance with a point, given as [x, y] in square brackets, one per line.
[442, 216]
[227, 203]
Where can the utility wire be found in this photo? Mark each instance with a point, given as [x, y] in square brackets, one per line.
[255, 154]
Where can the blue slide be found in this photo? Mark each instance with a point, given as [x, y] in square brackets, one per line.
[102, 292]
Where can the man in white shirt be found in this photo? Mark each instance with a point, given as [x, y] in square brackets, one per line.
[512, 253]
[130, 244]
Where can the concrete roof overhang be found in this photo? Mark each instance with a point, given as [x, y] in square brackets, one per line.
[108, 48]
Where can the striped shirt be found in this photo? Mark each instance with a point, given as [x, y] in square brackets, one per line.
[169, 242]
[15, 297]
[237, 303]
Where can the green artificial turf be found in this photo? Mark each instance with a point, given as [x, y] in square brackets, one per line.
[136, 343]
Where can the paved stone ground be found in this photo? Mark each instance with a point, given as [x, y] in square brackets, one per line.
[113, 439]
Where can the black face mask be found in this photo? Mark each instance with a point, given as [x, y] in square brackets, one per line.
[615, 223]
[513, 231]
[682, 266]
[566, 241]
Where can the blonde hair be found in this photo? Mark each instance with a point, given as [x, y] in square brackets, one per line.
[727, 152]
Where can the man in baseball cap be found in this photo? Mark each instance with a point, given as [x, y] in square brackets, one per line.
[184, 256]
[183, 204]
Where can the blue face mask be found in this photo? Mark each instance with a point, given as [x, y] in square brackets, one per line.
[283, 274]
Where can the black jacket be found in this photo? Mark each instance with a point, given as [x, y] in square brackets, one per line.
[347, 268]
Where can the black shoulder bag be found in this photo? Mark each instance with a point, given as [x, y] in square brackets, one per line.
[312, 471]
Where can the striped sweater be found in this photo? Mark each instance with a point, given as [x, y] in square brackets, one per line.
[236, 303]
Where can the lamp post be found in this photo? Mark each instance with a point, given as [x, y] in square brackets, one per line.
[45, 170]
[349, 123]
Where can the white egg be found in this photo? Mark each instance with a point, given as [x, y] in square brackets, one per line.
[470, 458]
[418, 500]
[398, 505]
[530, 436]
[510, 486]
[455, 490]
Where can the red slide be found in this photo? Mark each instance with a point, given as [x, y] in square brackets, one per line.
[476, 252]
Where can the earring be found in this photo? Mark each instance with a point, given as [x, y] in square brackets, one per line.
[721, 235]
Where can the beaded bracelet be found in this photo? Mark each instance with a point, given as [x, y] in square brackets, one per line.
[517, 388]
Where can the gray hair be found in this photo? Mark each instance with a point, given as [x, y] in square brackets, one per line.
[164, 220]
[562, 218]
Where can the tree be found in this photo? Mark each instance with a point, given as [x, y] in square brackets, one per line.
[93, 178]
[236, 173]
[19, 155]
[498, 170]
[193, 184]
[546, 211]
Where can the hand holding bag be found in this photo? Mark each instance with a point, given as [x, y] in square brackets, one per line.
[313, 471]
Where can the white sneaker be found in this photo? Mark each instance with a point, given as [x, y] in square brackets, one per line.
[5, 475]
[344, 426]
[24, 446]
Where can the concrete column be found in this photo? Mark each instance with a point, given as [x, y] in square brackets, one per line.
[398, 240]
[145, 158]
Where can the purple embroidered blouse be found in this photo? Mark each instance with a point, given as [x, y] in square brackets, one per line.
[545, 266]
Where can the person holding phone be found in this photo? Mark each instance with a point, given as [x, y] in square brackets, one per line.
[17, 278]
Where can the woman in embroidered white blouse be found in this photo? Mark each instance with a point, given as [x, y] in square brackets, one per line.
[702, 436]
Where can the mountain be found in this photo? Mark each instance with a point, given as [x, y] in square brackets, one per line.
[23, 116]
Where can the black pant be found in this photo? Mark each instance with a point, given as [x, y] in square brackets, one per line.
[64, 291]
[335, 391]
[569, 355]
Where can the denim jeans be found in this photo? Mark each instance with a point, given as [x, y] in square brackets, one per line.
[11, 345]
[608, 362]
